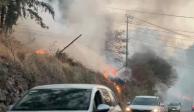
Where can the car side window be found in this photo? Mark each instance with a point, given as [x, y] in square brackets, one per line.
[107, 97]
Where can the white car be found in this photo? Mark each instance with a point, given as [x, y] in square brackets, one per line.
[67, 98]
[145, 104]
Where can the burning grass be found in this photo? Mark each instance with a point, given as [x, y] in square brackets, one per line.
[25, 68]
[41, 52]
[111, 75]
[109, 71]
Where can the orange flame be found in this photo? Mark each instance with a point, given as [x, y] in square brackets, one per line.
[41, 52]
[109, 71]
[118, 88]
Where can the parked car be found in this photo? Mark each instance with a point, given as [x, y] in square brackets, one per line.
[174, 107]
[68, 97]
[145, 104]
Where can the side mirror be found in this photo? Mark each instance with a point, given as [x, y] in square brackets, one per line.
[10, 107]
[103, 108]
[129, 103]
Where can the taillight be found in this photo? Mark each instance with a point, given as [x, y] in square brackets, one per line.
[193, 107]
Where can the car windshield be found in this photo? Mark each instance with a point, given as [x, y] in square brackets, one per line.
[55, 99]
[145, 101]
[174, 104]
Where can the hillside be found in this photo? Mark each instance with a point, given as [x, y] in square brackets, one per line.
[21, 69]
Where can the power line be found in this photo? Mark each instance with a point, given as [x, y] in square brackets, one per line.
[147, 27]
[169, 42]
[161, 31]
[154, 13]
[182, 62]
[161, 27]
[150, 44]
[169, 46]
[164, 34]
[166, 45]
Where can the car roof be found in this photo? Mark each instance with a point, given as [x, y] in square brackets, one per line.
[80, 86]
[146, 96]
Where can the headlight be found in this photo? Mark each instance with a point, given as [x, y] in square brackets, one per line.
[156, 110]
[128, 109]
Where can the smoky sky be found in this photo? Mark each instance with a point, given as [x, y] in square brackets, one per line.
[94, 21]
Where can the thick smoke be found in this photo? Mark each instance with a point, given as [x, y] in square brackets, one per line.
[75, 17]
[95, 19]
[183, 91]
[167, 44]
[152, 73]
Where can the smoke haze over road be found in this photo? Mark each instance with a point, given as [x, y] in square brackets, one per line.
[96, 18]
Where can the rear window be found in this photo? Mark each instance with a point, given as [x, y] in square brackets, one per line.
[55, 99]
[145, 101]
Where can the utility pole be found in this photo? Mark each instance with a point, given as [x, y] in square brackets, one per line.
[127, 38]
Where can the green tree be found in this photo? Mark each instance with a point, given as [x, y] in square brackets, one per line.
[12, 10]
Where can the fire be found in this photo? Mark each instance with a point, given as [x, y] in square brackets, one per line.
[118, 88]
[109, 72]
[41, 52]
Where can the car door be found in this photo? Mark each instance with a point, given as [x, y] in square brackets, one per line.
[109, 99]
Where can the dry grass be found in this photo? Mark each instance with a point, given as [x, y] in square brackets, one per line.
[21, 69]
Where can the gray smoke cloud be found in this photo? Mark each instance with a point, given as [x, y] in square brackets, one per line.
[166, 44]
[95, 18]
[75, 17]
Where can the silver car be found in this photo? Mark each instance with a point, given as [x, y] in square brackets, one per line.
[145, 104]
[174, 107]
[68, 98]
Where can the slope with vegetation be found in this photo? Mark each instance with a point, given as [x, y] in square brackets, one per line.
[21, 68]
[26, 69]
